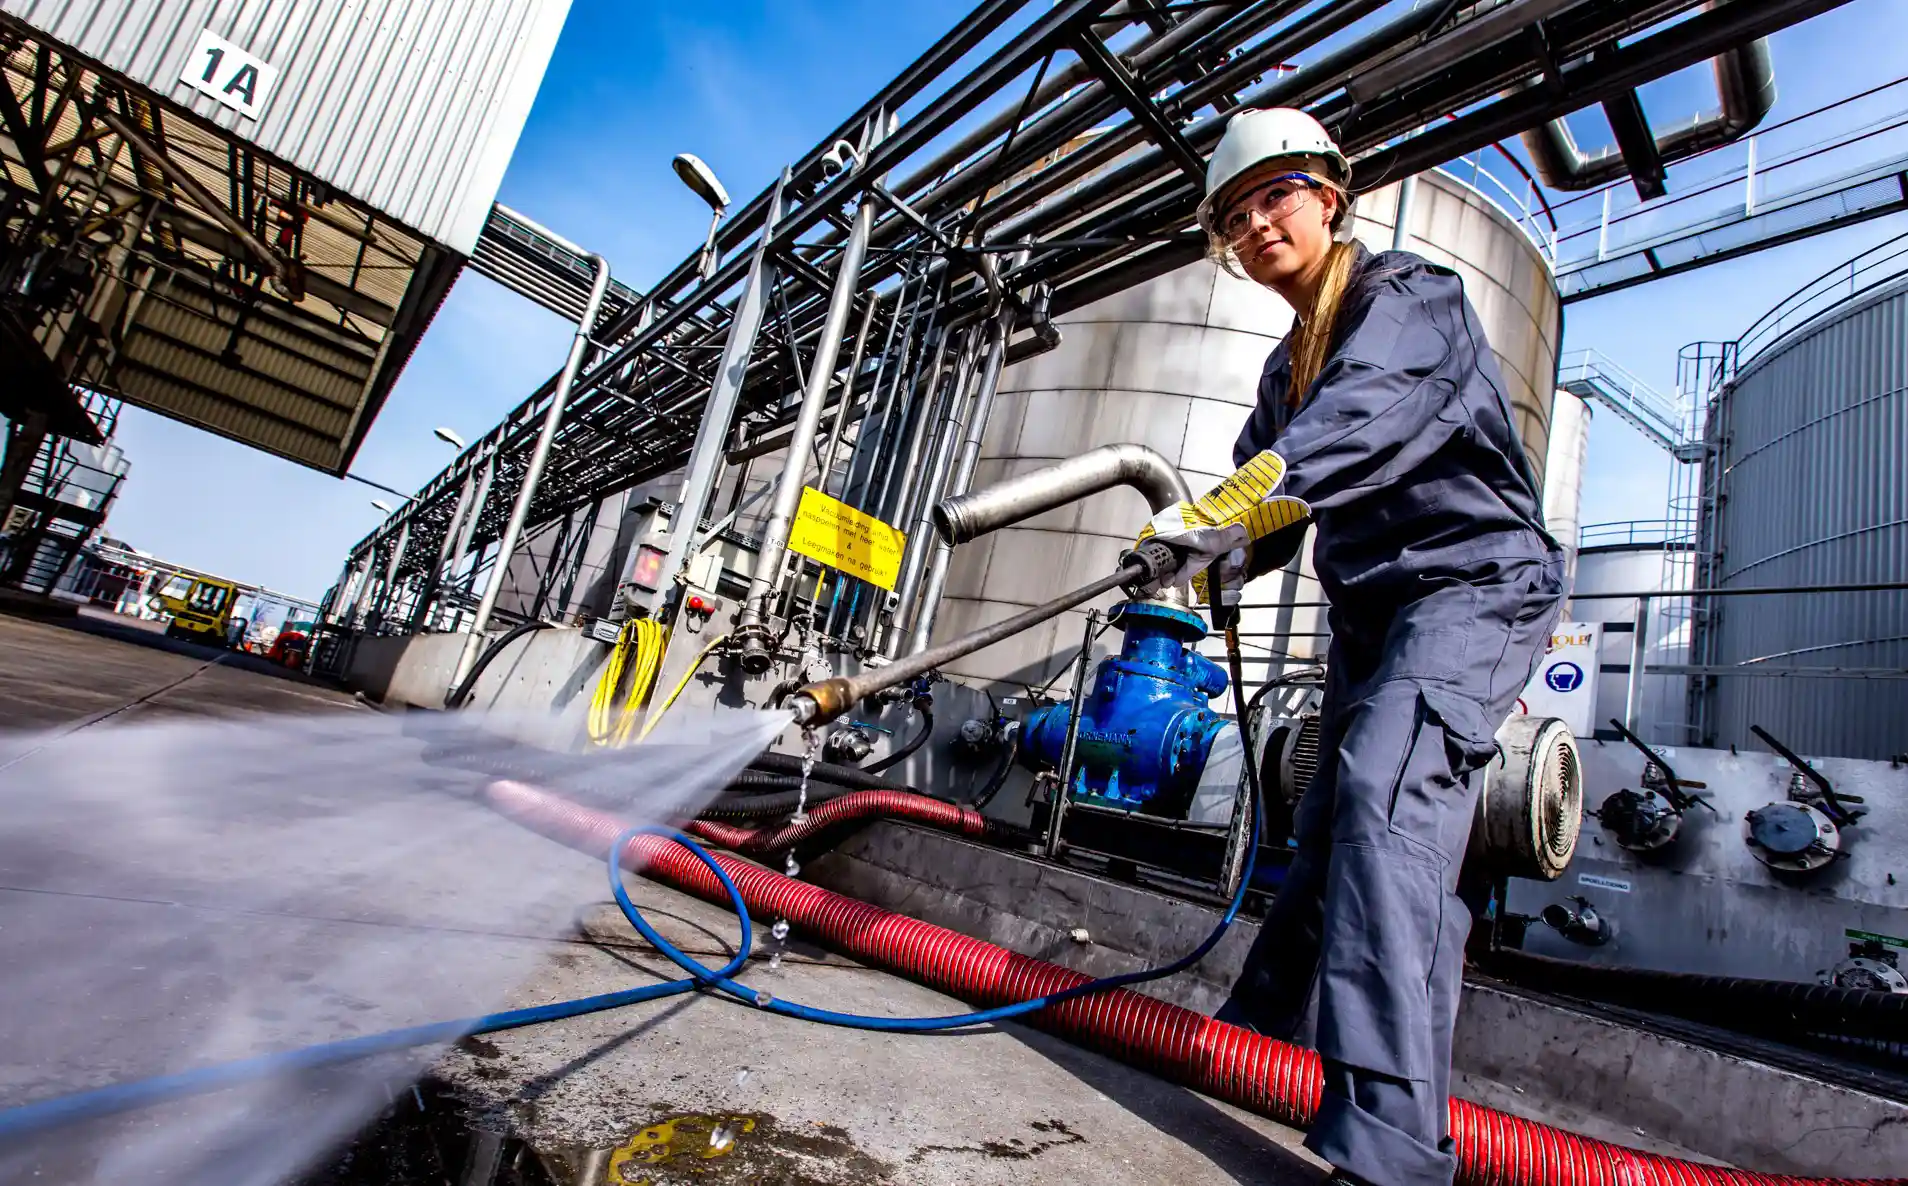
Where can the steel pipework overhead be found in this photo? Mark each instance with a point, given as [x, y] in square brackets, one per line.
[1745, 83]
[967, 517]
[821, 374]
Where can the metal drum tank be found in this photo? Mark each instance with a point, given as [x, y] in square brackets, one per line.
[1611, 562]
[1813, 433]
[1174, 364]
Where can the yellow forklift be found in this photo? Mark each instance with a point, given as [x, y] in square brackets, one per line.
[200, 608]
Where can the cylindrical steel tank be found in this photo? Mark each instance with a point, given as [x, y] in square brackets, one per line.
[1174, 364]
[1811, 438]
[1563, 474]
[1637, 566]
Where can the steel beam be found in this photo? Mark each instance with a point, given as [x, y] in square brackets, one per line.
[719, 412]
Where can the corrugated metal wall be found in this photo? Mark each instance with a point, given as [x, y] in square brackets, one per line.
[1816, 493]
[413, 106]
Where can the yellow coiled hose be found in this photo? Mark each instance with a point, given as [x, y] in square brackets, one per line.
[612, 726]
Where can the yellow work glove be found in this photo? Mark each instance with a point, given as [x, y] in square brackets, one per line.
[1217, 528]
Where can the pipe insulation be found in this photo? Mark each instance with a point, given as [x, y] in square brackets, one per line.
[1272, 1078]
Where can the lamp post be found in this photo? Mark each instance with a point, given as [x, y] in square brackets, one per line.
[700, 178]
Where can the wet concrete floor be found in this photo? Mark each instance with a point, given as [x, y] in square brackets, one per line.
[694, 1089]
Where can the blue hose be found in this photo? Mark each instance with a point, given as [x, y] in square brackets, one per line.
[123, 1097]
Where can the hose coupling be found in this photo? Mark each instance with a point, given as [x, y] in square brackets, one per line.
[755, 647]
[820, 703]
[1157, 560]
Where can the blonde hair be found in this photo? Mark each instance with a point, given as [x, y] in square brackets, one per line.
[1311, 337]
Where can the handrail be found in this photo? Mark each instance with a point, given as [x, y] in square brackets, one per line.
[1765, 332]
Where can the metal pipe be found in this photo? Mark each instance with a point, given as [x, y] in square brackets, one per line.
[1069, 751]
[387, 599]
[755, 655]
[1639, 646]
[817, 704]
[1407, 193]
[967, 517]
[908, 498]
[906, 494]
[848, 392]
[533, 472]
[921, 542]
[719, 411]
[894, 426]
[1745, 84]
[420, 614]
[1747, 591]
[477, 504]
[963, 474]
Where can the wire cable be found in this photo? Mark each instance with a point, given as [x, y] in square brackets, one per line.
[655, 718]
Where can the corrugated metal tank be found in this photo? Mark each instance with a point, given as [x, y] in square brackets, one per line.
[1174, 364]
[413, 106]
[1814, 434]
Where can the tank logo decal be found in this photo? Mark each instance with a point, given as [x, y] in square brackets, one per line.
[1564, 677]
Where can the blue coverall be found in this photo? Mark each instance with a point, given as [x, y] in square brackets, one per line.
[1444, 587]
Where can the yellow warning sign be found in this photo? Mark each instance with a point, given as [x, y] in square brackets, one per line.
[838, 535]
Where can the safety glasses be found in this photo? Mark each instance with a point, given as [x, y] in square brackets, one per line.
[1273, 198]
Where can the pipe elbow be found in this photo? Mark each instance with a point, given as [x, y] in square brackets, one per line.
[972, 515]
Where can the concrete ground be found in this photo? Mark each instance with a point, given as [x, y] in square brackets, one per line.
[221, 905]
[60, 672]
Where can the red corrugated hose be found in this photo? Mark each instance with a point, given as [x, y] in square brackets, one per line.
[1272, 1078]
[860, 805]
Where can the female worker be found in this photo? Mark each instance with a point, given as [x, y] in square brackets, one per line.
[1383, 416]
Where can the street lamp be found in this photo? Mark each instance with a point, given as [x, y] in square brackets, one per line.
[448, 437]
[702, 179]
[382, 505]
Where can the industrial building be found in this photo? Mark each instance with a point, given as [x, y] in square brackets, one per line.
[842, 508]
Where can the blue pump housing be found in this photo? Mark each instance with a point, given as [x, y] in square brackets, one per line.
[1145, 730]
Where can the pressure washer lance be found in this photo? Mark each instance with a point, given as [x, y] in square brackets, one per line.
[820, 703]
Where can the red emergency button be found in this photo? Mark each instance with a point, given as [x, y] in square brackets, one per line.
[698, 606]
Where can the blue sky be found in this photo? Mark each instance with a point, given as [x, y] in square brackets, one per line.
[749, 86]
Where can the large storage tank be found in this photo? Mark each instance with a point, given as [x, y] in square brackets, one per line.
[1563, 474]
[1174, 364]
[1637, 566]
[1813, 433]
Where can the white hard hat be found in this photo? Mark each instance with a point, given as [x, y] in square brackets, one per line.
[1253, 137]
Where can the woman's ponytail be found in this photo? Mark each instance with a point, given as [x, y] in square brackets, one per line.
[1311, 337]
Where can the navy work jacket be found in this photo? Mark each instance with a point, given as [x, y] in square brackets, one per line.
[1405, 447]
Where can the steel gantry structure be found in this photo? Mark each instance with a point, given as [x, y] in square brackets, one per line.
[1028, 163]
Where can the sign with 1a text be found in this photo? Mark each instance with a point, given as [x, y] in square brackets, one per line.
[228, 74]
